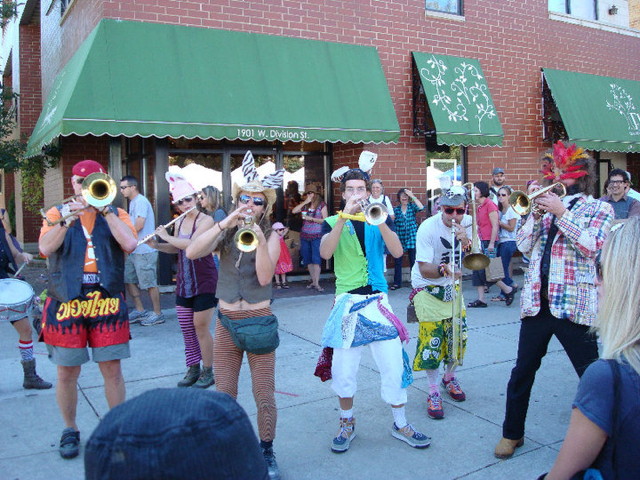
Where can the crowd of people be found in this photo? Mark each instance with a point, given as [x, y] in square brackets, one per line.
[97, 253]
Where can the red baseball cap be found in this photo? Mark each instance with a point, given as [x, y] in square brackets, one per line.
[87, 167]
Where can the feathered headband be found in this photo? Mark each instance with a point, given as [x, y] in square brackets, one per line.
[565, 162]
[365, 163]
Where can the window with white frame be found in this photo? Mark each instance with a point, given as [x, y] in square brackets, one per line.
[587, 9]
[446, 6]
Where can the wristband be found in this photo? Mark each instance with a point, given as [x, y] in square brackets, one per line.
[441, 269]
[110, 209]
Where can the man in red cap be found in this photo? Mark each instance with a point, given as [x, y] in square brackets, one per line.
[85, 305]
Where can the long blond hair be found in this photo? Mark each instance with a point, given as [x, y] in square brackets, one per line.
[618, 322]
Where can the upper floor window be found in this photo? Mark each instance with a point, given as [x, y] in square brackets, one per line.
[587, 9]
[447, 6]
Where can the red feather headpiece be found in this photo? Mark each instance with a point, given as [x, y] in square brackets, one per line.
[565, 162]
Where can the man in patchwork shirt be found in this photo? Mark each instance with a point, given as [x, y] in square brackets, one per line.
[562, 238]
[362, 315]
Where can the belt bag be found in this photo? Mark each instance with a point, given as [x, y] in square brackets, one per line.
[257, 335]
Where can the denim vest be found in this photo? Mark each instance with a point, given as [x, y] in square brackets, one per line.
[66, 265]
[7, 250]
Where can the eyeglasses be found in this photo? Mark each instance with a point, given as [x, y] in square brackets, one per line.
[450, 210]
[257, 201]
[184, 200]
[615, 182]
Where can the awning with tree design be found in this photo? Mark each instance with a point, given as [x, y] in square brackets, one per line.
[598, 113]
[459, 100]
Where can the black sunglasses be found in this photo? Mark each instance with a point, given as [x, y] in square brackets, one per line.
[257, 201]
[451, 210]
[184, 200]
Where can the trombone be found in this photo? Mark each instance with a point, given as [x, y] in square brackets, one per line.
[457, 301]
[474, 260]
[98, 190]
[523, 203]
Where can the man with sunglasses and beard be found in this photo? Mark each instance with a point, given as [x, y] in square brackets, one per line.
[85, 304]
[433, 280]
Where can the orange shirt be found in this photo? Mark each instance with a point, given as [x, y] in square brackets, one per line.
[88, 220]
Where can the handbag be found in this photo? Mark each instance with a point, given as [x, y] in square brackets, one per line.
[257, 335]
[494, 271]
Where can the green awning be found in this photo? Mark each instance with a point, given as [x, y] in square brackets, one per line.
[598, 113]
[459, 100]
[143, 79]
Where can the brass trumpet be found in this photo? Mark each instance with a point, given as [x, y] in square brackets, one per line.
[98, 190]
[523, 203]
[374, 213]
[474, 260]
[245, 238]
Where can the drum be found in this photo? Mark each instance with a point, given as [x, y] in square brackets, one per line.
[16, 299]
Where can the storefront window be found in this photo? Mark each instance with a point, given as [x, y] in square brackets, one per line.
[443, 164]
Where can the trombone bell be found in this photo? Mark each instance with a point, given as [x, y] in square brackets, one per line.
[99, 189]
[476, 261]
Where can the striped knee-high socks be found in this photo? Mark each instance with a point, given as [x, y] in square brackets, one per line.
[191, 345]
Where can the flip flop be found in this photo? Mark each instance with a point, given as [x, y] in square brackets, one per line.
[319, 288]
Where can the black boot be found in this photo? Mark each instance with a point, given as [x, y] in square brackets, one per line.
[270, 458]
[191, 377]
[31, 378]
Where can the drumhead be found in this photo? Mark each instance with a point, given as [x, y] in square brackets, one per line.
[14, 292]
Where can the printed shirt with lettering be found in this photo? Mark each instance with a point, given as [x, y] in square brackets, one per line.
[88, 220]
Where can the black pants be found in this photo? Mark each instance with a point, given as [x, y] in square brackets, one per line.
[535, 334]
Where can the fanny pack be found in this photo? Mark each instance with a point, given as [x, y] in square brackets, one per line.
[257, 335]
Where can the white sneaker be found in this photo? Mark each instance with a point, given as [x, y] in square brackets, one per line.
[136, 315]
[152, 319]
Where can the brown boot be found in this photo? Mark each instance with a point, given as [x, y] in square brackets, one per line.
[31, 378]
[506, 447]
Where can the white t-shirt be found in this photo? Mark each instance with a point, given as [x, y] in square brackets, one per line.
[505, 235]
[433, 245]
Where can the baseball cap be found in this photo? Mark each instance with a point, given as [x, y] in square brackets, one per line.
[454, 196]
[177, 433]
[87, 167]
[497, 171]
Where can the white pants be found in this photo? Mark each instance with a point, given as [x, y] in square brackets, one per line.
[388, 357]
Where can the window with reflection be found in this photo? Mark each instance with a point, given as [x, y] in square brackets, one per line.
[587, 9]
[447, 6]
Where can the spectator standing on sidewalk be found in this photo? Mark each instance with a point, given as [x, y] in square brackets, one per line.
[406, 229]
[362, 315]
[140, 267]
[497, 182]
[623, 205]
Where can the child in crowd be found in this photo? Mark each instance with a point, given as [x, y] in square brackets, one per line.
[284, 264]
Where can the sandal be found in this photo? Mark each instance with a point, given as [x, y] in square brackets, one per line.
[319, 288]
[510, 296]
[498, 298]
[311, 285]
[278, 285]
[285, 285]
[394, 287]
[477, 304]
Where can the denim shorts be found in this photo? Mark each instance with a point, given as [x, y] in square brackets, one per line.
[310, 251]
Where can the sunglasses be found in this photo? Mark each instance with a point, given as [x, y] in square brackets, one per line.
[257, 201]
[122, 187]
[502, 195]
[80, 180]
[451, 210]
[280, 229]
[184, 200]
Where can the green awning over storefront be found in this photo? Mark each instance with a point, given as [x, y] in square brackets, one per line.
[143, 79]
[598, 113]
[459, 100]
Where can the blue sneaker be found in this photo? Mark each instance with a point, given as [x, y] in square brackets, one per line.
[410, 435]
[340, 444]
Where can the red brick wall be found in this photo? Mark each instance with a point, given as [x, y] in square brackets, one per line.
[512, 40]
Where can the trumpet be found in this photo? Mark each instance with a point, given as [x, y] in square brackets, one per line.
[98, 190]
[245, 238]
[151, 235]
[374, 213]
[523, 203]
[475, 260]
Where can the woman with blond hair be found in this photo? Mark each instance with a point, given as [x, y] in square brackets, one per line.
[605, 422]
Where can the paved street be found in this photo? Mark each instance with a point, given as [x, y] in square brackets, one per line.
[462, 443]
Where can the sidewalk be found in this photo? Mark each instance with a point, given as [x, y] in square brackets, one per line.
[462, 443]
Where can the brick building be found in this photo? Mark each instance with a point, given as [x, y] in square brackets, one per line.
[356, 70]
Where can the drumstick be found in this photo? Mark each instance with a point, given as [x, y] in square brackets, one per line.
[20, 269]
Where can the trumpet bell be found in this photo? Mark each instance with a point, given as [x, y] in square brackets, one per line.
[375, 214]
[99, 189]
[520, 203]
[246, 240]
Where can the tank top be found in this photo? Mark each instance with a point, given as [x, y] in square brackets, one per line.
[194, 277]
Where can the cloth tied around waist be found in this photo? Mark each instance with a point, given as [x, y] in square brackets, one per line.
[433, 302]
[258, 335]
[358, 320]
